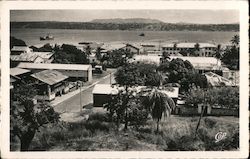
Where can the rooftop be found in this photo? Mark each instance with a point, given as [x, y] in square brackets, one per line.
[20, 48]
[49, 77]
[108, 89]
[44, 55]
[29, 57]
[18, 71]
[189, 45]
[217, 80]
[54, 66]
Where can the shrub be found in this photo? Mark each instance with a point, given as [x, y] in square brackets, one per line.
[102, 117]
[94, 125]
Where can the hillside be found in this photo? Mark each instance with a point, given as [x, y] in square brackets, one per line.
[125, 26]
[123, 21]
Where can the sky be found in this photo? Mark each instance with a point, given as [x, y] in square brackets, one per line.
[169, 16]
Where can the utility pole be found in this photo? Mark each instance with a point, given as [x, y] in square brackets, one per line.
[79, 84]
[110, 78]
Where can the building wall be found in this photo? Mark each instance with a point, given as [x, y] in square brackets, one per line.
[100, 99]
[132, 49]
[205, 52]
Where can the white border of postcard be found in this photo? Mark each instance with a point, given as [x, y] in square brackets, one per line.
[242, 6]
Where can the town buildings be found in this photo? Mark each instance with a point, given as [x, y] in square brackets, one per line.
[199, 49]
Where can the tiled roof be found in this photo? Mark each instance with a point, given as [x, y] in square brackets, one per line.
[49, 77]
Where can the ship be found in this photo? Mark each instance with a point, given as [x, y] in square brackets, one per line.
[142, 34]
[48, 37]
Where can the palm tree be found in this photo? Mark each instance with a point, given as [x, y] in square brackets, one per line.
[158, 104]
[235, 40]
[218, 53]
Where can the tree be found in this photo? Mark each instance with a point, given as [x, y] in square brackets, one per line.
[127, 76]
[231, 55]
[16, 42]
[158, 104]
[117, 58]
[197, 47]
[98, 54]
[120, 106]
[69, 54]
[235, 40]
[27, 117]
[225, 97]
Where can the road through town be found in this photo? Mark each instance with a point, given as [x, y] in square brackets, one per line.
[72, 105]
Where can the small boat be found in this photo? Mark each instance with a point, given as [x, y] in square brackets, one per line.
[142, 34]
[48, 37]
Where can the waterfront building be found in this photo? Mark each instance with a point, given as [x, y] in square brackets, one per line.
[204, 49]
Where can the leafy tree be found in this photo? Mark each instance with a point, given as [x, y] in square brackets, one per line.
[98, 54]
[226, 97]
[182, 72]
[27, 117]
[16, 42]
[158, 104]
[69, 54]
[235, 40]
[118, 58]
[197, 47]
[231, 55]
[88, 50]
[120, 105]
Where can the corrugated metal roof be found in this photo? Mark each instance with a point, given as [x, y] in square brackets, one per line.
[30, 57]
[20, 48]
[49, 77]
[216, 80]
[44, 55]
[24, 57]
[18, 71]
[54, 66]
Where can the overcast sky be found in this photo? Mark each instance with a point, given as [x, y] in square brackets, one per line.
[170, 16]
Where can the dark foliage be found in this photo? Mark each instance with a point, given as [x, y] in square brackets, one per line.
[16, 42]
[27, 117]
[69, 54]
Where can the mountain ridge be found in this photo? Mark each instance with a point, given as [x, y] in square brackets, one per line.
[126, 20]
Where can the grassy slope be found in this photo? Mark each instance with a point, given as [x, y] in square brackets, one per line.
[177, 133]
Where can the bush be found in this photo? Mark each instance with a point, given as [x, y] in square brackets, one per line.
[94, 125]
[102, 117]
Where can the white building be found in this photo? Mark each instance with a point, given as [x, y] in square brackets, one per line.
[206, 49]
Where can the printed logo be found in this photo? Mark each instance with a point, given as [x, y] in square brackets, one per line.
[220, 136]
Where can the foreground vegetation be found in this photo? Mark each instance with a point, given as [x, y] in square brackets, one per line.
[99, 134]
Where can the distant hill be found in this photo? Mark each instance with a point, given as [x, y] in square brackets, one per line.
[128, 20]
[126, 24]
